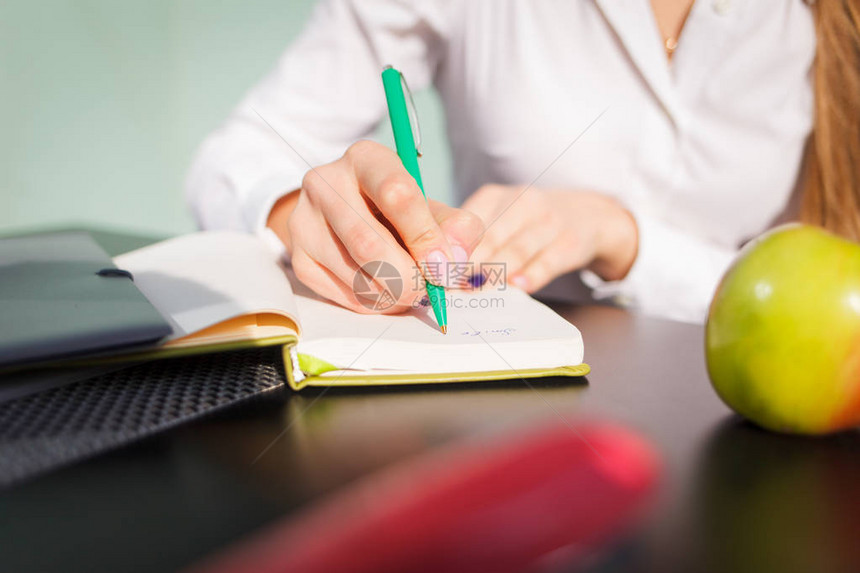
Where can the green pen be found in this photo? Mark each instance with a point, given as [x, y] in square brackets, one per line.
[401, 125]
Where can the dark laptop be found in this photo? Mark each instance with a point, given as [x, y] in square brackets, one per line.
[61, 296]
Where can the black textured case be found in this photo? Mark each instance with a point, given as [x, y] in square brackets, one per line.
[43, 431]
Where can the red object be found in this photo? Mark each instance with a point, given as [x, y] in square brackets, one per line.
[497, 507]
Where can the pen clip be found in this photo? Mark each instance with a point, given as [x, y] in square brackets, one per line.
[413, 115]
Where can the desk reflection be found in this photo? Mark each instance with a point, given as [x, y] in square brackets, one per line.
[320, 441]
[769, 502]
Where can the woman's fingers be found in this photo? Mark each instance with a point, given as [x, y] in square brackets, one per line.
[555, 260]
[382, 178]
[362, 220]
[462, 228]
[347, 236]
[523, 246]
[514, 231]
[318, 262]
[486, 202]
[373, 299]
[318, 241]
[537, 273]
[324, 282]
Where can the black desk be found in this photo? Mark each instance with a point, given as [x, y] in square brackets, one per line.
[732, 497]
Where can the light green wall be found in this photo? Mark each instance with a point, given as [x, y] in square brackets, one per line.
[103, 102]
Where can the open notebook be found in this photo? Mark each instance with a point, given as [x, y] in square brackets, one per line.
[227, 290]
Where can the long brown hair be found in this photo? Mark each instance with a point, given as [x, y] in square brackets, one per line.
[831, 196]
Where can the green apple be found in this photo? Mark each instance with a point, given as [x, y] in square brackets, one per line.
[783, 334]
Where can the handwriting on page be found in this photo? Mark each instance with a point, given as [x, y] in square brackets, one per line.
[489, 332]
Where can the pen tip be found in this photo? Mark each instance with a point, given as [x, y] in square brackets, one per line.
[444, 329]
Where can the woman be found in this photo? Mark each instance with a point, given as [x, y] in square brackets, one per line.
[638, 142]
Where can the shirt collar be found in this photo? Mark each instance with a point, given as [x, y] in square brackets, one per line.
[634, 25]
[705, 33]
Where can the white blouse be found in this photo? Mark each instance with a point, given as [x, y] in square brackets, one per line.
[705, 151]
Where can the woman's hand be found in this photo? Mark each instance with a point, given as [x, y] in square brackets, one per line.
[366, 207]
[540, 234]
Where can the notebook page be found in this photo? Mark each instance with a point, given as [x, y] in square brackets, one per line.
[201, 279]
[487, 330]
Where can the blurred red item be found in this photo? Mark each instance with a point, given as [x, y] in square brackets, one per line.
[496, 507]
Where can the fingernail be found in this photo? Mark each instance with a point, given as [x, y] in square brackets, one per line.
[436, 266]
[460, 254]
[477, 280]
[520, 282]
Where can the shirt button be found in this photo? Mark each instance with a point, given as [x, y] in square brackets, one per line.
[721, 7]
